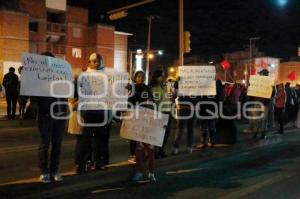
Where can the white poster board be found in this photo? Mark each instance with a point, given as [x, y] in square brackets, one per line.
[145, 125]
[103, 90]
[46, 76]
[197, 81]
[261, 86]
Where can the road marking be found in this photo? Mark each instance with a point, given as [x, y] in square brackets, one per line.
[107, 190]
[35, 147]
[183, 171]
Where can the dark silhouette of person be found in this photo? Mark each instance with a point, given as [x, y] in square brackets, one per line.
[10, 83]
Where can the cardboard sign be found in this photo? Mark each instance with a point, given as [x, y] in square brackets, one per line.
[46, 77]
[103, 90]
[144, 125]
[261, 86]
[197, 81]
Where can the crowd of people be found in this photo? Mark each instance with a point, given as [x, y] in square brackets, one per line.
[92, 143]
[10, 89]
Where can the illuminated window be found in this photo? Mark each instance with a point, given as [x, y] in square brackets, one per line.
[76, 32]
[76, 52]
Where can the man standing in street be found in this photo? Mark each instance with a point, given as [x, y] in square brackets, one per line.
[10, 83]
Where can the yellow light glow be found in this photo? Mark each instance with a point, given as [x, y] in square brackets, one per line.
[151, 56]
[172, 70]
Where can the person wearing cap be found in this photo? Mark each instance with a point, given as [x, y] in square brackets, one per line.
[10, 83]
[92, 132]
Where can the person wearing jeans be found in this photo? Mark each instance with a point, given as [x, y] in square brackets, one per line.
[51, 132]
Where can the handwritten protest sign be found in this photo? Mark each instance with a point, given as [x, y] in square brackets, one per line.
[261, 86]
[46, 76]
[103, 90]
[197, 80]
[145, 126]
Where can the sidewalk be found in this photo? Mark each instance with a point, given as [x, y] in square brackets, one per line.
[122, 171]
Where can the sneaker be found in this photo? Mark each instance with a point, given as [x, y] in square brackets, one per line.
[151, 177]
[45, 178]
[132, 159]
[137, 177]
[176, 151]
[190, 150]
[57, 177]
[201, 146]
[210, 144]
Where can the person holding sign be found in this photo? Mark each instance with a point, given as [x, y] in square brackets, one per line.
[139, 93]
[51, 131]
[92, 130]
[142, 94]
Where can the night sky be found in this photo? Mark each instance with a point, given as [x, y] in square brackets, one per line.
[216, 26]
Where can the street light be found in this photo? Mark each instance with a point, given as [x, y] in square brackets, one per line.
[282, 3]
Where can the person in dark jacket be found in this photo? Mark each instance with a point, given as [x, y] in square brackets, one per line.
[139, 93]
[10, 83]
[51, 131]
[209, 115]
[142, 93]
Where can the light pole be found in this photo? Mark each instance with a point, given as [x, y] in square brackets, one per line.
[181, 29]
[148, 48]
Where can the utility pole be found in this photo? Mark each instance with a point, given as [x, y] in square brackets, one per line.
[148, 48]
[250, 57]
[181, 29]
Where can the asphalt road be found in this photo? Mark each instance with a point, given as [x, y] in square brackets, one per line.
[250, 169]
[267, 172]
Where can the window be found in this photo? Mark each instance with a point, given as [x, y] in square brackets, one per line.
[76, 52]
[33, 26]
[76, 32]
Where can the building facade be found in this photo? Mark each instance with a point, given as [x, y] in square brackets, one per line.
[37, 26]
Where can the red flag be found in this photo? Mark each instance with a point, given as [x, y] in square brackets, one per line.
[253, 71]
[292, 76]
[225, 64]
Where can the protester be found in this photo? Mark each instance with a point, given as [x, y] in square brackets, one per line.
[259, 119]
[92, 131]
[226, 125]
[280, 102]
[289, 106]
[10, 83]
[162, 99]
[51, 131]
[209, 115]
[186, 117]
[139, 94]
[75, 128]
[22, 99]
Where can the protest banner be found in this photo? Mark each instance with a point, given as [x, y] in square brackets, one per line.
[197, 81]
[261, 86]
[46, 77]
[103, 90]
[144, 125]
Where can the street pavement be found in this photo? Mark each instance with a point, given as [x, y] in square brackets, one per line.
[250, 169]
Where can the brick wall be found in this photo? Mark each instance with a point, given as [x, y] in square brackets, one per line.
[13, 36]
